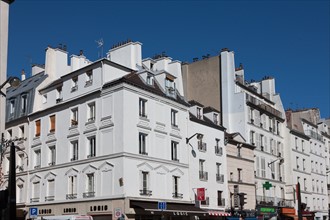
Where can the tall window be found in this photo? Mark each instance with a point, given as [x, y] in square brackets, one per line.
[72, 187]
[19, 193]
[74, 117]
[202, 174]
[37, 154]
[239, 175]
[272, 169]
[173, 118]
[145, 183]
[142, 144]
[38, 127]
[52, 123]
[199, 114]
[297, 162]
[176, 193]
[52, 155]
[263, 167]
[92, 146]
[59, 94]
[221, 202]
[36, 192]
[74, 146]
[219, 176]
[12, 107]
[296, 142]
[50, 190]
[89, 78]
[174, 149]
[90, 183]
[215, 118]
[252, 138]
[142, 108]
[74, 84]
[24, 103]
[91, 111]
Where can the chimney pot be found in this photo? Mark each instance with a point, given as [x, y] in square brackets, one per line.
[23, 75]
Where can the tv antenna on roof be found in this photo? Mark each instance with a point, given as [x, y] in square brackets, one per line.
[100, 43]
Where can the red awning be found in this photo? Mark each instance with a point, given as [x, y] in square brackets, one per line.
[218, 213]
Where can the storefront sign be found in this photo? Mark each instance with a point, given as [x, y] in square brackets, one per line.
[267, 210]
[291, 211]
[180, 213]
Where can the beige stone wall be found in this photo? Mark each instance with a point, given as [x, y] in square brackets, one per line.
[246, 163]
[201, 81]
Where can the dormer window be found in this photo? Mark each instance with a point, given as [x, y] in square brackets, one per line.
[199, 113]
[24, 103]
[169, 86]
[89, 78]
[74, 84]
[215, 118]
[12, 107]
[149, 80]
[59, 97]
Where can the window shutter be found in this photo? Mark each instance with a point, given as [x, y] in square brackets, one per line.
[74, 185]
[38, 128]
[52, 123]
[51, 185]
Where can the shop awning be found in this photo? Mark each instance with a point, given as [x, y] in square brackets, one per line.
[218, 213]
[180, 209]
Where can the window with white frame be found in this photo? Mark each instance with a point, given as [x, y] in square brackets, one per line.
[21, 131]
[89, 78]
[74, 82]
[145, 183]
[143, 143]
[35, 192]
[263, 167]
[215, 118]
[52, 155]
[252, 141]
[174, 150]
[74, 117]
[91, 112]
[23, 103]
[176, 193]
[174, 122]
[143, 108]
[258, 166]
[74, 150]
[72, 187]
[50, 190]
[37, 159]
[199, 112]
[92, 146]
[12, 108]
[90, 185]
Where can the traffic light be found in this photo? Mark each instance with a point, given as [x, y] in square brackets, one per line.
[242, 199]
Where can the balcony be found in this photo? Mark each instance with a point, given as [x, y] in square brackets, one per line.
[71, 196]
[177, 195]
[218, 150]
[206, 201]
[220, 178]
[203, 175]
[202, 146]
[262, 106]
[221, 202]
[88, 194]
[49, 198]
[272, 201]
[34, 200]
[88, 82]
[145, 192]
[74, 123]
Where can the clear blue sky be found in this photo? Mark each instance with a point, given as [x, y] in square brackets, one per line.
[288, 40]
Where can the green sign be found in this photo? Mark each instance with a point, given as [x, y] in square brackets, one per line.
[267, 209]
[267, 185]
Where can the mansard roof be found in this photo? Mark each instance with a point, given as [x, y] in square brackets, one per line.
[205, 121]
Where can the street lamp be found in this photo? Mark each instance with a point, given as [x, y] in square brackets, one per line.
[13, 81]
[199, 137]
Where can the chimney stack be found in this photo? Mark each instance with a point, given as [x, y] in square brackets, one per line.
[23, 75]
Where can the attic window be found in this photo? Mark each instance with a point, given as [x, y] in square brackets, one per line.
[151, 65]
[149, 80]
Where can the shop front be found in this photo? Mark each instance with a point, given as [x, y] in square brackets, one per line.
[266, 212]
[149, 211]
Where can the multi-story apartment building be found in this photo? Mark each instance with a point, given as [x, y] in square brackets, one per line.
[207, 159]
[114, 136]
[240, 162]
[252, 109]
[308, 140]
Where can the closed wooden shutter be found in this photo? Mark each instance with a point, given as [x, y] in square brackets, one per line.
[52, 123]
[38, 128]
